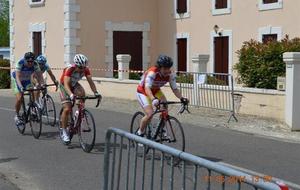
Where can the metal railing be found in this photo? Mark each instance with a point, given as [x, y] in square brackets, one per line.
[158, 168]
[208, 90]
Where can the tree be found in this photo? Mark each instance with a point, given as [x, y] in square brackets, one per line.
[4, 23]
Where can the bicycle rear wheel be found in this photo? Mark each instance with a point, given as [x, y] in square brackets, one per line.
[35, 120]
[134, 127]
[87, 131]
[49, 110]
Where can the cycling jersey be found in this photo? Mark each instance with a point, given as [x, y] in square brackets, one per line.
[25, 75]
[74, 75]
[154, 80]
[44, 68]
[26, 71]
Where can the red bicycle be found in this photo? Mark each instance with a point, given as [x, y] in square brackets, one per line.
[165, 129]
[81, 123]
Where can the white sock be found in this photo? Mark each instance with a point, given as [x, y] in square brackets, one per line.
[140, 132]
[65, 132]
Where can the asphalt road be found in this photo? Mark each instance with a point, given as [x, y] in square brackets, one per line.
[47, 164]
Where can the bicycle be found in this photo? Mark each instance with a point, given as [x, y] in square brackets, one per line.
[168, 130]
[76, 122]
[31, 114]
[48, 106]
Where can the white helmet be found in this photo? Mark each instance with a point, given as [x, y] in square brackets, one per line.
[80, 60]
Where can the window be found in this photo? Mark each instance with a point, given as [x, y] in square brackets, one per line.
[270, 1]
[221, 4]
[37, 43]
[181, 9]
[36, 3]
[269, 38]
[269, 33]
[270, 4]
[221, 7]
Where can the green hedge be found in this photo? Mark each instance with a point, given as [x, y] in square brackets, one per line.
[4, 74]
[260, 64]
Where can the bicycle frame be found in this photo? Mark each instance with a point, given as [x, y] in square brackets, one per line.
[77, 123]
[164, 117]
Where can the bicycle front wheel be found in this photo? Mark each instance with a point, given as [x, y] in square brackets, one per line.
[49, 110]
[87, 131]
[21, 127]
[35, 120]
[172, 134]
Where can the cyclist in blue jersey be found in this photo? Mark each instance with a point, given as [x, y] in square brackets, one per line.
[26, 68]
[44, 67]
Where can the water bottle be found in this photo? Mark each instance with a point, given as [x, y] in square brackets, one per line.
[76, 115]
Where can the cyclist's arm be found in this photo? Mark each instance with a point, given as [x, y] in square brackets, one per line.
[37, 77]
[67, 85]
[38, 74]
[91, 83]
[51, 75]
[18, 76]
[148, 84]
[174, 87]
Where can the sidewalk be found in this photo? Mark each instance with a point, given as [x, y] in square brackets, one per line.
[257, 126]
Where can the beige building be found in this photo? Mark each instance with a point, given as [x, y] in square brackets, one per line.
[183, 29]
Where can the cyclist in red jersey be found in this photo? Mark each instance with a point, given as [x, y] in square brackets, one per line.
[69, 88]
[149, 93]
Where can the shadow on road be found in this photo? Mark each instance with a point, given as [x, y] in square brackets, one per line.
[3, 160]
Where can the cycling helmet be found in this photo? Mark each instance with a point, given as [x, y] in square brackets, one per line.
[41, 60]
[164, 61]
[80, 60]
[29, 56]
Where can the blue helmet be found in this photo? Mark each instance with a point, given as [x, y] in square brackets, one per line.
[164, 61]
[41, 60]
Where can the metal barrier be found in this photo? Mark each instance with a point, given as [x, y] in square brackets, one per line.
[158, 169]
[208, 90]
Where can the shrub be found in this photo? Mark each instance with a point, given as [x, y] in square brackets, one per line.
[260, 64]
[4, 74]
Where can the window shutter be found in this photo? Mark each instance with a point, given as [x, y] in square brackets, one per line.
[270, 1]
[181, 6]
[269, 38]
[221, 4]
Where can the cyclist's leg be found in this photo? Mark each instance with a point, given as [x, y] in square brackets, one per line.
[67, 106]
[36, 94]
[18, 95]
[79, 90]
[146, 104]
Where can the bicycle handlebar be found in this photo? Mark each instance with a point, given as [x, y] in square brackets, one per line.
[99, 98]
[184, 106]
[33, 89]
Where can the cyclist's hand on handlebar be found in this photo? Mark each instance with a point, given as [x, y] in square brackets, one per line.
[72, 97]
[155, 102]
[97, 95]
[21, 89]
[184, 101]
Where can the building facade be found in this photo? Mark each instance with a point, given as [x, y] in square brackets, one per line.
[142, 28]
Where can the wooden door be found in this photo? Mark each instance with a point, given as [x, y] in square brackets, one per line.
[129, 43]
[182, 54]
[37, 43]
